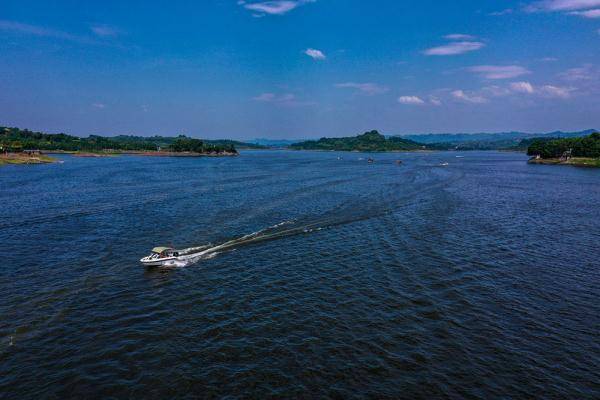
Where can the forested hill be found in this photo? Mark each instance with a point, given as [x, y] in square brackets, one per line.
[554, 148]
[369, 141]
[17, 139]
[516, 141]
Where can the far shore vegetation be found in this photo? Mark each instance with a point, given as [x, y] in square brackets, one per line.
[25, 158]
[580, 151]
[15, 140]
[371, 141]
[22, 146]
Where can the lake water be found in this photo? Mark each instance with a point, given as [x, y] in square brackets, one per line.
[479, 279]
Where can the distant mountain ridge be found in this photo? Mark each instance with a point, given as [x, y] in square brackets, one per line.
[431, 138]
[274, 142]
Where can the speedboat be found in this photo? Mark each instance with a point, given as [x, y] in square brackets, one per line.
[167, 256]
[160, 256]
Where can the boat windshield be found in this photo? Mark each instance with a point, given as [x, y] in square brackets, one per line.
[155, 256]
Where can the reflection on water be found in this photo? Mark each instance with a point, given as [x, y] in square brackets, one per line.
[380, 280]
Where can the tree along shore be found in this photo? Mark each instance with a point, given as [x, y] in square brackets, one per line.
[580, 151]
[15, 140]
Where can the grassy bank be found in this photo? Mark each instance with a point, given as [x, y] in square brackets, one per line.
[575, 161]
[19, 158]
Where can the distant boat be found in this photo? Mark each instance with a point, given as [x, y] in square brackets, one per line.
[370, 160]
[444, 164]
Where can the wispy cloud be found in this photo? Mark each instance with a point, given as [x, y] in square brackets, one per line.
[35, 30]
[468, 97]
[286, 99]
[586, 72]
[459, 36]
[495, 91]
[100, 31]
[454, 48]
[274, 7]
[435, 101]
[265, 97]
[99, 105]
[104, 30]
[556, 91]
[562, 5]
[411, 100]
[548, 91]
[315, 54]
[499, 71]
[595, 13]
[502, 12]
[366, 88]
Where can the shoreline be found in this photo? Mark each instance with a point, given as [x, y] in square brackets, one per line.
[138, 153]
[574, 162]
[25, 159]
[365, 151]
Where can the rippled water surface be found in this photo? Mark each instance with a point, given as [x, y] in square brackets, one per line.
[479, 279]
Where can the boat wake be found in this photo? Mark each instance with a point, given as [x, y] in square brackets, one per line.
[365, 207]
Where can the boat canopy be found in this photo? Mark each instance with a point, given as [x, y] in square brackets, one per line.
[160, 250]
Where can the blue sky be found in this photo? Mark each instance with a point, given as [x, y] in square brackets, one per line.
[299, 68]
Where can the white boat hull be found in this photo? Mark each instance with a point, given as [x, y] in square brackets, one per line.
[157, 262]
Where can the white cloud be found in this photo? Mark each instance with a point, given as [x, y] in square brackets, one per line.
[36, 30]
[595, 13]
[435, 101]
[265, 97]
[495, 91]
[522, 87]
[315, 54]
[459, 36]
[286, 99]
[99, 105]
[410, 100]
[556, 91]
[454, 48]
[274, 7]
[562, 5]
[499, 72]
[548, 91]
[584, 73]
[104, 30]
[366, 88]
[468, 97]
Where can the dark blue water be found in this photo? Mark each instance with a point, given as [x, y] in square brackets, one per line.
[479, 279]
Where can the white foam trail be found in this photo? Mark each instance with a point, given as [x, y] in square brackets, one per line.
[192, 255]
